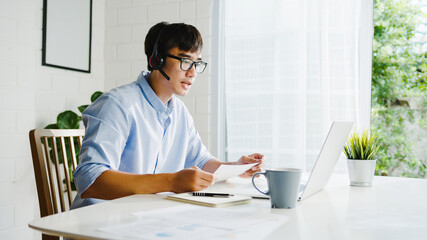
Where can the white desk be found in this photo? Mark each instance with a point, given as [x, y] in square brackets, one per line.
[394, 208]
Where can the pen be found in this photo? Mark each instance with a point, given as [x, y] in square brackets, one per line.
[204, 194]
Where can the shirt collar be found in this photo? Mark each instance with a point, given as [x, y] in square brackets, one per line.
[151, 96]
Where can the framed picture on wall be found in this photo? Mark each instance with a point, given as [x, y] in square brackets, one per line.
[67, 34]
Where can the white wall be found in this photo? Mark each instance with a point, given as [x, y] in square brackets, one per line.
[127, 23]
[30, 97]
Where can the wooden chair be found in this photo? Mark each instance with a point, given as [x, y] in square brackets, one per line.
[50, 149]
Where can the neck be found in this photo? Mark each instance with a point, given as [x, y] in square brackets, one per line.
[158, 84]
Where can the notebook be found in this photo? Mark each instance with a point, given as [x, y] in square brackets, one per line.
[210, 201]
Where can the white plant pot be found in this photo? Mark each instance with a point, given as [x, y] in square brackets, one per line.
[361, 172]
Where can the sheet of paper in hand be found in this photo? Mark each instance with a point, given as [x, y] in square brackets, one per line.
[228, 171]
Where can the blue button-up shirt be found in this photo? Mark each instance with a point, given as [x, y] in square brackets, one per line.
[129, 129]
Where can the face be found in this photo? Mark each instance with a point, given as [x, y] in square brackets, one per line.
[180, 81]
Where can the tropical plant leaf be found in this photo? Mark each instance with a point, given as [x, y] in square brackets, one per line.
[95, 96]
[68, 120]
[52, 126]
[82, 108]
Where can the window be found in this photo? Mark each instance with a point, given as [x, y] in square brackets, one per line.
[289, 68]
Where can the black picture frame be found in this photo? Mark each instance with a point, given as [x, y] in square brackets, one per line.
[67, 34]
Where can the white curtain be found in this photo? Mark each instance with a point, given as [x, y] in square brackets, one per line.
[291, 68]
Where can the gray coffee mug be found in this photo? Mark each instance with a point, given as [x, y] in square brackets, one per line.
[283, 186]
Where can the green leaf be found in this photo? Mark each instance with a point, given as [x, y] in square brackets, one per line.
[364, 146]
[68, 120]
[82, 108]
[95, 96]
[52, 126]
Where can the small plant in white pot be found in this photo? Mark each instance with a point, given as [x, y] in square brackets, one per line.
[361, 162]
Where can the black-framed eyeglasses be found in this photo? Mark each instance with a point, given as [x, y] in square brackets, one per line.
[187, 64]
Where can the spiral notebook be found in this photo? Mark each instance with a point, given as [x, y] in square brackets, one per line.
[210, 201]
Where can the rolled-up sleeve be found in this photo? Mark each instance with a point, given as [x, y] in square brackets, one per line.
[107, 128]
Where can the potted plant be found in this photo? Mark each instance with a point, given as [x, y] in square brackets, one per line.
[361, 162]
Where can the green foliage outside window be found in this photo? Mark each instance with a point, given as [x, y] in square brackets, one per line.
[399, 74]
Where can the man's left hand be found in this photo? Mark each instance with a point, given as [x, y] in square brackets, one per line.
[253, 158]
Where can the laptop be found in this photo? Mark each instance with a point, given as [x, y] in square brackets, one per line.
[327, 159]
[325, 163]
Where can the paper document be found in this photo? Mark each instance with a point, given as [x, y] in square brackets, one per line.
[228, 171]
[195, 222]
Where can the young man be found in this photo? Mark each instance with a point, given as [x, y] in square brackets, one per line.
[139, 137]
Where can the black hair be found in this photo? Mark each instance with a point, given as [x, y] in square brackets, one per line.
[183, 36]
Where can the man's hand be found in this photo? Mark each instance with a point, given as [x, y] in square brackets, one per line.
[253, 158]
[192, 179]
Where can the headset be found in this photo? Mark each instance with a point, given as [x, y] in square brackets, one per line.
[156, 61]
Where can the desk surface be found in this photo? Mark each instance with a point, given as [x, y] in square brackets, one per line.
[394, 208]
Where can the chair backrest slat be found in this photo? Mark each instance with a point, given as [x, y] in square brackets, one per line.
[66, 172]
[58, 173]
[48, 162]
[80, 141]
[73, 156]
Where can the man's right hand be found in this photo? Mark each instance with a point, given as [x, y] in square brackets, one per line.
[191, 180]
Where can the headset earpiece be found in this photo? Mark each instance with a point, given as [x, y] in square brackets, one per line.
[156, 61]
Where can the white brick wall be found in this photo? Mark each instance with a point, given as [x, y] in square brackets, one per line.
[127, 23]
[31, 96]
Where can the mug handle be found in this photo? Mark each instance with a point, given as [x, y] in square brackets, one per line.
[253, 183]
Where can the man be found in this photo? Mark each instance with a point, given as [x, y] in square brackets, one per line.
[139, 137]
